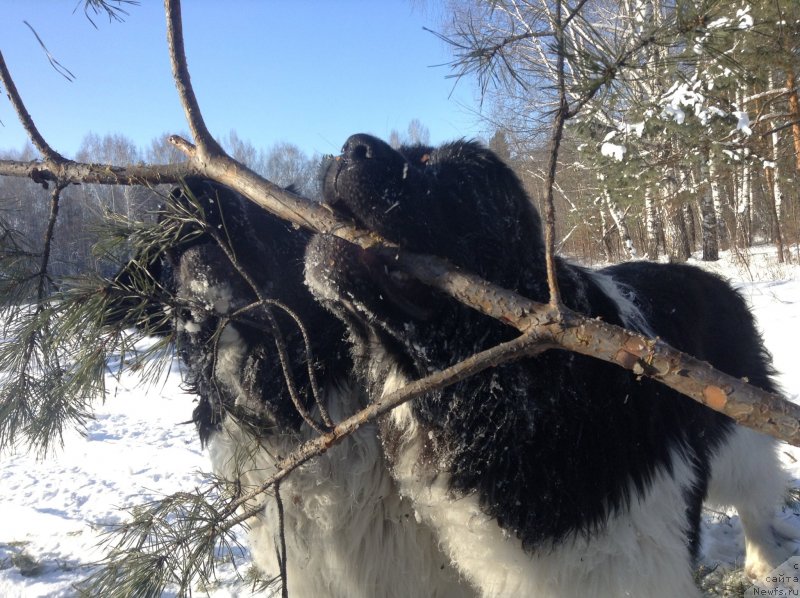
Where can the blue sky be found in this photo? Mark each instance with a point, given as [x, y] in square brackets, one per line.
[310, 72]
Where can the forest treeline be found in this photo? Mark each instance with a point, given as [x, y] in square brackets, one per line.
[686, 140]
[84, 209]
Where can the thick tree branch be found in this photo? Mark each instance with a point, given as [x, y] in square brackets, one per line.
[82, 172]
[719, 391]
[752, 407]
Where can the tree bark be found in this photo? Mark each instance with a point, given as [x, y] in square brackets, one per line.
[794, 112]
[652, 224]
[622, 226]
[709, 226]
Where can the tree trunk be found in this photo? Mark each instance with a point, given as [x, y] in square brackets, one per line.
[777, 190]
[622, 227]
[607, 249]
[679, 240]
[710, 228]
[688, 219]
[716, 198]
[743, 206]
[652, 224]
[777, 236]
[794, 111]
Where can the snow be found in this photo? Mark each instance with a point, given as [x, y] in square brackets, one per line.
[742, 122]
[613, 150]
[139, 448]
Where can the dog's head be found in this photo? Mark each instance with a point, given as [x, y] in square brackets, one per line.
[458, 201]
[226, 279]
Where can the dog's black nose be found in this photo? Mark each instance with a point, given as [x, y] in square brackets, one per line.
[365, 147]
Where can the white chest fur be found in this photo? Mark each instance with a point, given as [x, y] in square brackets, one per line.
[641, 552]
[348, 531]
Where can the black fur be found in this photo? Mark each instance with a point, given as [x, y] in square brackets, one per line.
[552, 445]
[213, 225]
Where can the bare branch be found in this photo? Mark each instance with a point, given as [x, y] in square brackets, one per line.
[180, 72]
[559, 118]
[104, 174]
[27, 122]
[752, 407]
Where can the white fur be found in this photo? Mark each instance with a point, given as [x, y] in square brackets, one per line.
[641, 552]
[746, 474]
[348, 532]
[625, 299]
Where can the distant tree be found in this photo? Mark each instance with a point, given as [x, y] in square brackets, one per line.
[670, 94]
[500, 145]
[416, 133]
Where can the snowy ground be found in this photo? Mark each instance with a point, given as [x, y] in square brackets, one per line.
[137, 449]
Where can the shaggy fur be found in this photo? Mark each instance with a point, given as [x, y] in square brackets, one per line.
[558, 475]
[348, 531]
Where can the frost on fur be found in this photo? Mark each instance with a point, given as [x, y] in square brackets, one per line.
[270, 368]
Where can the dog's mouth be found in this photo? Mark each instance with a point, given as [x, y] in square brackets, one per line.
[364, 185]
[403, 291]
[331, 193]
[374, 265]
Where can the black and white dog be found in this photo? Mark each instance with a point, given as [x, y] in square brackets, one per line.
[555, 475]
[348, 531]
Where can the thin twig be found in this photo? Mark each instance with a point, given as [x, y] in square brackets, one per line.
[312, 375]
[277, 335]
[559, 118]
[282, 542]
[57, 66]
